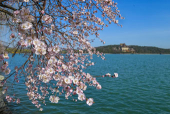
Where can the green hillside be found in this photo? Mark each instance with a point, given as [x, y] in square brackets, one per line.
[136, 49]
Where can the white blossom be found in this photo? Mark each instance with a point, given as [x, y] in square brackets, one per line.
[116, 75]
[27, 25]
[81, 96]
[89, 101]
[54, 99]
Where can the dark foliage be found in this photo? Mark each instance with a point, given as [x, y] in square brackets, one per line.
[138, 49]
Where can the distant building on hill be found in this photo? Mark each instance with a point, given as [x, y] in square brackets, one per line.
[122, 44]
[125, 49]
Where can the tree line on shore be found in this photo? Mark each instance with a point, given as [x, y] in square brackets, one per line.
[15, 50]
[137, 49]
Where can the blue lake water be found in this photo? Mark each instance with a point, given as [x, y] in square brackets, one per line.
[143, 86]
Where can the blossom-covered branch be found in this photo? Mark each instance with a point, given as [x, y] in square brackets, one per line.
[47, 28]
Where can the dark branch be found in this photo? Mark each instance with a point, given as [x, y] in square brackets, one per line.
[2, 1]
[6, 6]
[6, 12]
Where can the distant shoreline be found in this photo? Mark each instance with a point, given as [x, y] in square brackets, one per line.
[131, 49]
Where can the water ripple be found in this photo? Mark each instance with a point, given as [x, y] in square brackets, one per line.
[142, 88]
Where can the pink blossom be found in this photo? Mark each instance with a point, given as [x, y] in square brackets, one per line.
[18, 101]
[67, 80]
[16, 20]
[44, 77]
[56, 49]
[26, 0]
[94, 81]
[81, 97]
[56, 77]
[108, 74]
[48, 31]
[115, 75]
[75, 81]
[64, 67]
[5, 55]
[40, 50]
[71, 78]
[27, 25]
[16, 12]
[36, 42]
[54, 99]
[75, 32]
[41, 109]
[7, 71]
[4, 66]
[30, 18]
[50, 71]
[89, 101]
[52, 27]
[30, 95]
[42, 12]
[116, 21]
[99, 86]
[47, 19]
[31, 58]
[78, 90]
[25, 12]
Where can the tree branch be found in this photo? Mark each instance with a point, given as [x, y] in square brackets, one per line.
[2, 1]
[6, 6]
[44, 4]
[7, 12]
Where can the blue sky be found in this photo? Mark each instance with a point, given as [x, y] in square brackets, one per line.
[146, 23]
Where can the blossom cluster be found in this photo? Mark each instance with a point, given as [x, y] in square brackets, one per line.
[58, 36]
[4, 67]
